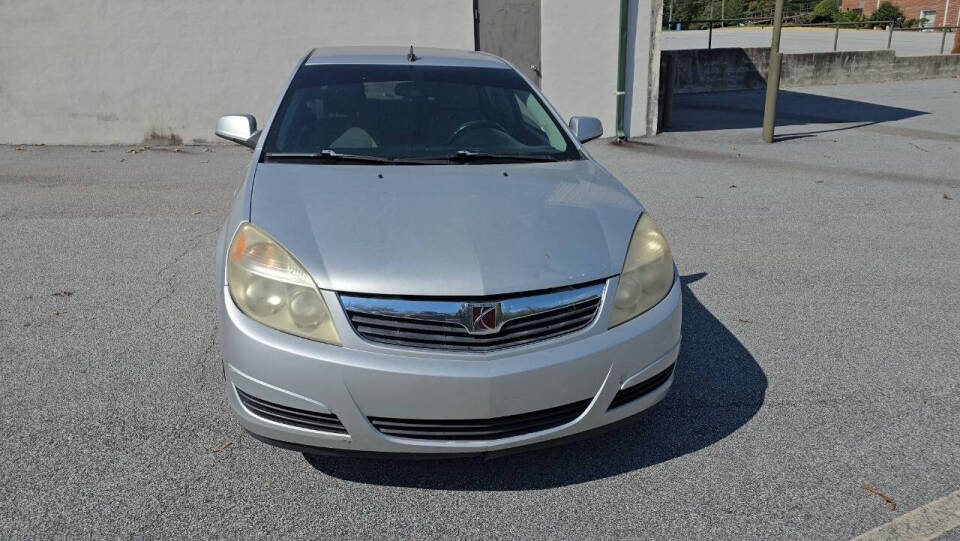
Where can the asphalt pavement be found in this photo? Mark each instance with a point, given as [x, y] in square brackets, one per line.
[820, 346]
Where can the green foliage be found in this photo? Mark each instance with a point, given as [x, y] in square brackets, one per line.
[887, 12]
[734, 9]
[826, 11]
[848, 16]
[690, 10]
[911, 23]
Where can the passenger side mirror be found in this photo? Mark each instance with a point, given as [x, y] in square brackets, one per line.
[241, 129]
[586, 128]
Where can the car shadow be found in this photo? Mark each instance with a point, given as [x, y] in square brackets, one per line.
[718, 388]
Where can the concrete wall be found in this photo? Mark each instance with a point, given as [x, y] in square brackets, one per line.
[579, 49]
[510, 29]
[643, 73]
[121, 71]
[717, 70]
[126, 71]
[581, 80]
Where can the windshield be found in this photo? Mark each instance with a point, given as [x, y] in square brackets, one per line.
[408, 112]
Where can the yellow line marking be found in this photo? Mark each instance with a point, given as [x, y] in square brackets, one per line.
[927, 522]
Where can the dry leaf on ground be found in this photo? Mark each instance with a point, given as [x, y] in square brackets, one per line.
[875, 490]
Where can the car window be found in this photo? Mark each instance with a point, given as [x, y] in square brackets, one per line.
[533, 112]
[414, 111]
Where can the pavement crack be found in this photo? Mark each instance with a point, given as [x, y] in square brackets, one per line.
[170, 290]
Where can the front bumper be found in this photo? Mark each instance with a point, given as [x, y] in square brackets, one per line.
[360, 380]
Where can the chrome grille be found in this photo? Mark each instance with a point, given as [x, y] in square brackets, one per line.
[452, 324]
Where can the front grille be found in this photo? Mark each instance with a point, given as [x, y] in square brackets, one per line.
[326, 422]
[636, 391]
[429, 324]
[480, 429]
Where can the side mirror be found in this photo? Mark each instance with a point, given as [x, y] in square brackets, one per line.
[241, 129]
[586, 128]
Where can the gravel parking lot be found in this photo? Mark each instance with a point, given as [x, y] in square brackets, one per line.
[821, 323]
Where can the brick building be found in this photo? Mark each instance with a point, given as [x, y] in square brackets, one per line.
[936, 12]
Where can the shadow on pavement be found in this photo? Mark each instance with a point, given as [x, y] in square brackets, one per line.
[718, 388]
[744, 109]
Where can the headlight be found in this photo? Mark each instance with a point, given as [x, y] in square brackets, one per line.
[270, 286]
[647, 273]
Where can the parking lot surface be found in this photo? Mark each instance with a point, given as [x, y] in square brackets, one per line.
[820, 327]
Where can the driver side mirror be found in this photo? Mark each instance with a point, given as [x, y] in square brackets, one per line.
[586, 128]
[240, 129]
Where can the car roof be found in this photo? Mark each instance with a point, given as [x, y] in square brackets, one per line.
[426, 56]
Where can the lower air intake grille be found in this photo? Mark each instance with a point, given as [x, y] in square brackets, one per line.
[326, 422]
[480, 429]
[636, 391]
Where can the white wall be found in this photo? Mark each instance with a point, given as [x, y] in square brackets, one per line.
[579, 50]
[117, 71]
[122, 71]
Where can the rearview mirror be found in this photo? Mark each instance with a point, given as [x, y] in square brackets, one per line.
[241, 129]
[586, 128]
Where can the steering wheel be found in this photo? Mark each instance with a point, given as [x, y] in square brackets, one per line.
[474, 125]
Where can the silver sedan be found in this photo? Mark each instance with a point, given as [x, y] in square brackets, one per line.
[423, 259]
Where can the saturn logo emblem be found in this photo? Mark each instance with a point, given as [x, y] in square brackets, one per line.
[484, 318]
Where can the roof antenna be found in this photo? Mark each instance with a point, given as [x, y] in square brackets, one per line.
[412, 57]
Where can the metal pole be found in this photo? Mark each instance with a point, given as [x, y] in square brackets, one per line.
[710, 36]
[889, 34]
[773, 76]
[943, 39]
[722, 13]
[622, 71]
[836, 38]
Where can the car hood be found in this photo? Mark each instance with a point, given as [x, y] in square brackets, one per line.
[441, 230]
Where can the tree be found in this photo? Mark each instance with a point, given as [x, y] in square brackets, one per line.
[887, 12]
[848, 16]
[824, 12]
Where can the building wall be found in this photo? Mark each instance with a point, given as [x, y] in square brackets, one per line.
[128, 71]
[579, 51]
[122, 71]
[643, 67]
[911, 8]
[581, 80]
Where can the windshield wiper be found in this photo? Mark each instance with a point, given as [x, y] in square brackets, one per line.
[327, 155]
[463, 156]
